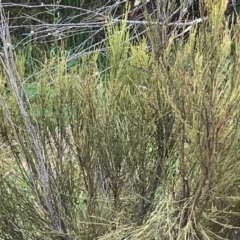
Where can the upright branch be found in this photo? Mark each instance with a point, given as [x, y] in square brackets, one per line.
[31, 129]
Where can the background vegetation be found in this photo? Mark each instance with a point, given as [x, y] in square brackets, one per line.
[127, 131]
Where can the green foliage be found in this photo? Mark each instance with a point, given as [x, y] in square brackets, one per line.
[148, 149]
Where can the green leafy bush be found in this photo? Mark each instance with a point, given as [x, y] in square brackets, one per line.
[148, 149]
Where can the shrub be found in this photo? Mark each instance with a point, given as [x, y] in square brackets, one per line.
[147, 149]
